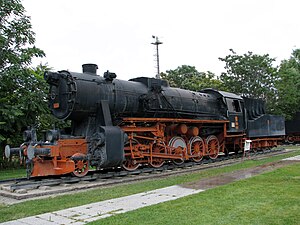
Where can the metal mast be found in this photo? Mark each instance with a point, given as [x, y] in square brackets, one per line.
[157, 42]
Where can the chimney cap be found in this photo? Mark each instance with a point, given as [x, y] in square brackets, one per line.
[89, 68]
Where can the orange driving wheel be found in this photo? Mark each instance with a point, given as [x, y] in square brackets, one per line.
[197, 148]
[179, 149]
[213, 146]
[130, 164]
[160, 147]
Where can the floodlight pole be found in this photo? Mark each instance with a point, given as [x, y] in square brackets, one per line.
[157, 42]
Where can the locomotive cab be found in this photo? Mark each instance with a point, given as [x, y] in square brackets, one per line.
[235, 110]
[236, 114]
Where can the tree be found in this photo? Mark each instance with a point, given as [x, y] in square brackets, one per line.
[288, 86]
[251, 75]
[42, 116]
[187, 77]
[20, 89]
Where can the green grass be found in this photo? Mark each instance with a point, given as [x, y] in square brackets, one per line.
[12, 173]
[270, 198]
[50, 204]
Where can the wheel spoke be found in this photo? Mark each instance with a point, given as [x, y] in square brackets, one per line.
[157, 162]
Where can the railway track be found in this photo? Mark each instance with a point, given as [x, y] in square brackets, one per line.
[23, 188]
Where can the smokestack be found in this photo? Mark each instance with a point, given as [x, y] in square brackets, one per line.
[90, 68]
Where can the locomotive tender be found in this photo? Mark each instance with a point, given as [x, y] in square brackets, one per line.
[292, 129]
[141, 122]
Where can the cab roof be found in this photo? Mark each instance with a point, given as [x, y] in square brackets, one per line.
[222, 93]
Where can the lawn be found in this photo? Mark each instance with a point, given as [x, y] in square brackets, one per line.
[271, 198]
[12, 173]
[34, 207]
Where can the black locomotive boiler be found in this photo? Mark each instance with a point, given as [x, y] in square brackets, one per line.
[141, 122]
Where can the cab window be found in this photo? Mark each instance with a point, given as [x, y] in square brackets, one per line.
[233, 105]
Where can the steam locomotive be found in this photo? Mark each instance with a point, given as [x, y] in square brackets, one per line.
[141, 122]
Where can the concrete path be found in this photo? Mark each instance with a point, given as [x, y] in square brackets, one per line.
[296, 158]
[95, 211]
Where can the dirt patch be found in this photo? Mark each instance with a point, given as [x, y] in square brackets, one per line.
[208, 183]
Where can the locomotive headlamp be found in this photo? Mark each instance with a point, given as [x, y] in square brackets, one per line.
[27, 135]
[51, 78]
[52, 135]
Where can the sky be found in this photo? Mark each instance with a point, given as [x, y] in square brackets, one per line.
[117, 34]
